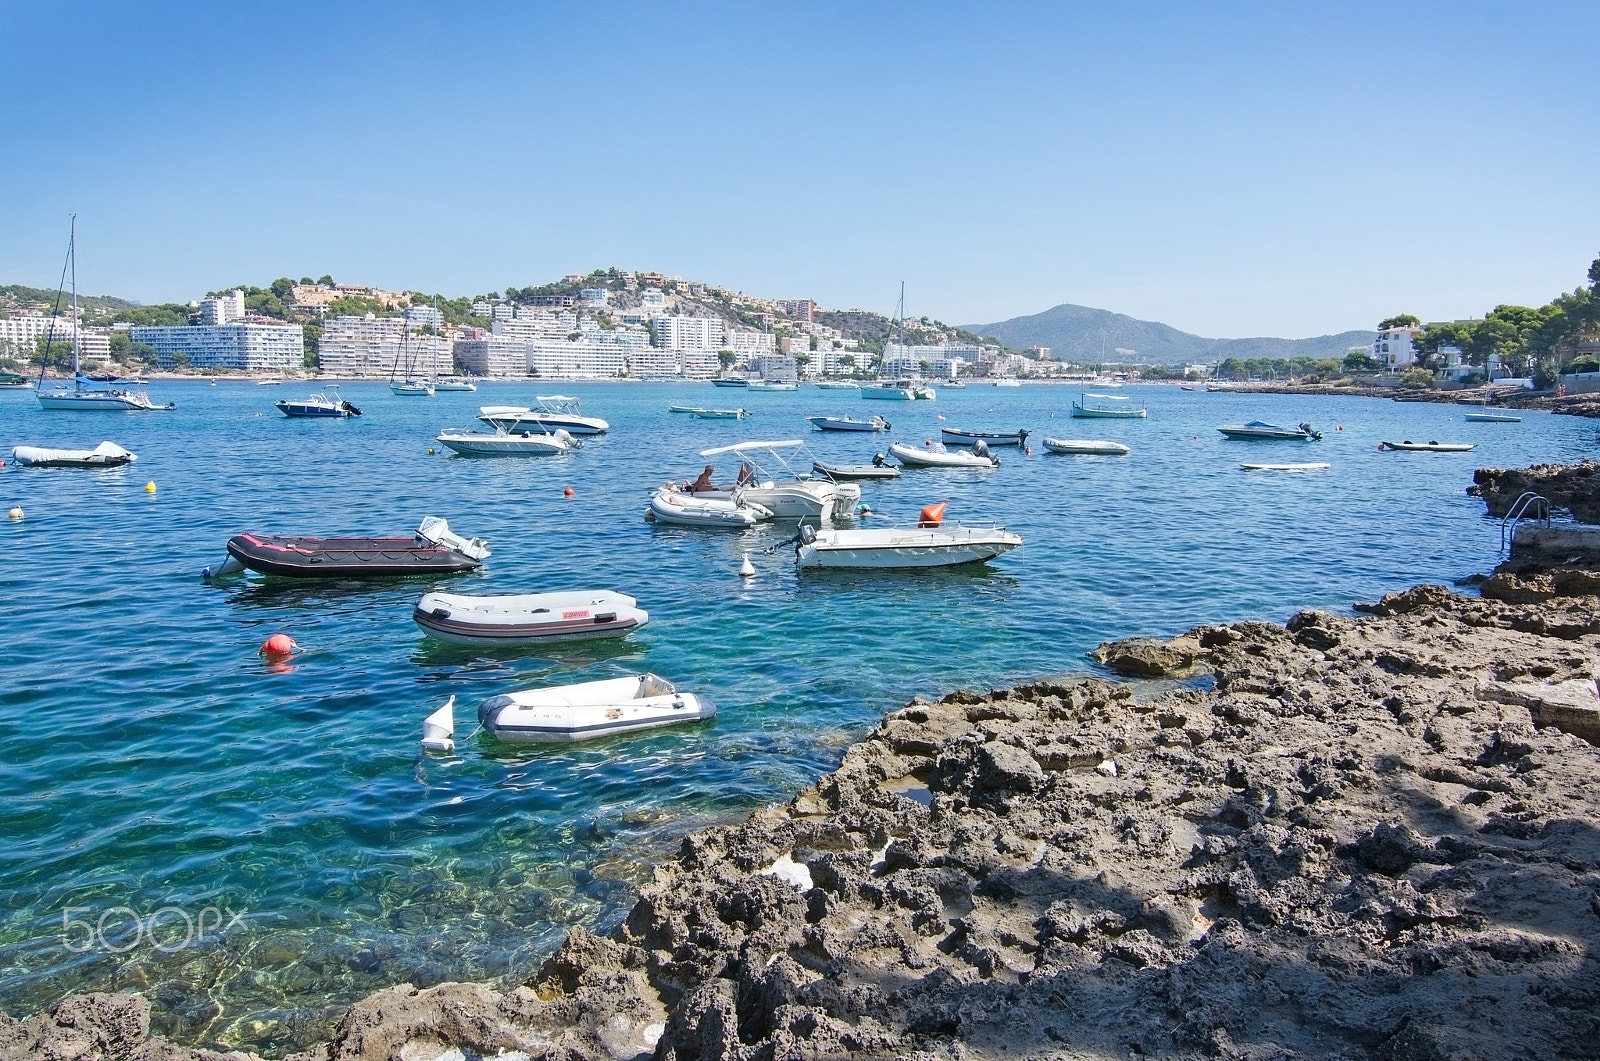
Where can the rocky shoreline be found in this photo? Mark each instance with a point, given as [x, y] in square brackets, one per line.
[1373, 836]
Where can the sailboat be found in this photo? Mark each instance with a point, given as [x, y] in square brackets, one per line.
[411, 385]
[86, 395]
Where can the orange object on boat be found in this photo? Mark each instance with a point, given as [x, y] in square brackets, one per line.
[931, 515]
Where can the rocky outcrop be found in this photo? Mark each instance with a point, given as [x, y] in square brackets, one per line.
[1373, 837]
[1575, 487]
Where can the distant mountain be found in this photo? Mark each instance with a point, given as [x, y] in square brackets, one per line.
[1079, 333]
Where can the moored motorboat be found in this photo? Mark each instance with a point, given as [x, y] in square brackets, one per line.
[1260, 429]
[954, 436]
[902, 547]
[15, 380]
[730, 381]
[503, 442]
[1428, 447]
[847, 423]
[1304, 466]
[889, 390]
[673, 505]
[878, 469]
[455, 383]
[1086, 446]
[326, 402]
[412, 388]
[837, 384]
[720, 414]
[554, 411]
[772, 385]
[591, 709]
[105, 455]
[1492, 418]
[433, 549]
[934, 455]
[527, 618]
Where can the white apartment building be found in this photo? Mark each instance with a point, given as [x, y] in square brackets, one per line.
[380, 346]
[698, 364]
[594, 296]
[248, 347]
[220, 309]
[779, 367]
[801, 309]
[493, 355]
[529, 325]
[20, 335]
[1393, 348]
[428, 315]
[747, 344]
[596, 353]
[653, 298]
[688, 333]
[943, 361]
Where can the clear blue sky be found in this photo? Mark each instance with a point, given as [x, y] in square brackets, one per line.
[1231, 169]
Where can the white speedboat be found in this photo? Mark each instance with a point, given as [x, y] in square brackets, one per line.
[324, 403]
[527, 618]
[1083, 410]
[454, 383]
[720, 414]
[889, 390]
[591, 709]
[1428, 447]
[772, 385]
[1304, 466]
[934, 455]
[1492, 418]
[775, 486]
[847, 423]
[268, 382]
[554, 411]
[837, 384]
[954, 436]
[730, 381]
[676, 506]
[1007, 382]
[504, 442]
[1089, 446]
[1260, 429]
[105, 455]
[902, 547]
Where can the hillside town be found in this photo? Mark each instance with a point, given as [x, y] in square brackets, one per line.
[611, 324]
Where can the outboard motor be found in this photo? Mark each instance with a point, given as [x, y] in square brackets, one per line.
[878, 461]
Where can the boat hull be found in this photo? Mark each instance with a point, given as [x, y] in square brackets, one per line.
[687, 510]
[952, 436]
[303, 557]
[1257, 431]
[591, 709]
[888, 394]
[1307, 466]
[1428, 447]
[845, 423]
[891, 548]
[856, 471]
[1091, 413]
[508, 444]
[1492, 418]
[1086, 447]
[99, 402]
[527, 618]
[105, 455]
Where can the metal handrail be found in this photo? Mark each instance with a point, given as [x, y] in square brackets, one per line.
[1529, 502]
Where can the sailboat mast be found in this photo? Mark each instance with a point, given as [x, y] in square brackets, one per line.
[72, 257]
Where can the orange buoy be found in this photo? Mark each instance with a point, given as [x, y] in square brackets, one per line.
[1339, 428]
[931, 515]
[278, 646]
[567, 492]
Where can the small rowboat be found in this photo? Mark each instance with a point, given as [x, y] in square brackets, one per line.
[1308, 466]
[878, 469]
[720, 414]
[105, 455]
[527, 618]
[591, 709]
[434, 549]
[1492, 418]
[1087, 446]
[1428, 447]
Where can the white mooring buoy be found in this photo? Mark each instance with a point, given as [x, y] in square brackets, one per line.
[438, 729]
[746, 569]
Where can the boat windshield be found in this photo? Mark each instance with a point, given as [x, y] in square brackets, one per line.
[557, 403]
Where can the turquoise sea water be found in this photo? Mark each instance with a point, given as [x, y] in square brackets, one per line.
[153, 762]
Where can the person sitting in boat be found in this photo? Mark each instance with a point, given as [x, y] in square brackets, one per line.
[703, 483]
[746, 474]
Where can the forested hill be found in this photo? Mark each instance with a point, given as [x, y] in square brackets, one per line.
[1080, 333]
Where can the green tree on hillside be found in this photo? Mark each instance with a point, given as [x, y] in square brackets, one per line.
[1399, 320]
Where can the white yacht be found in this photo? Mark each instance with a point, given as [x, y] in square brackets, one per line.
[556, 411]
